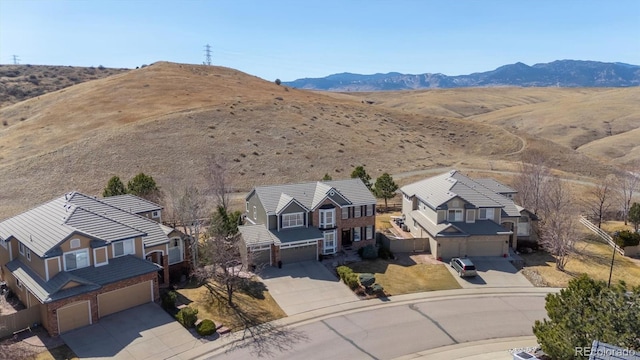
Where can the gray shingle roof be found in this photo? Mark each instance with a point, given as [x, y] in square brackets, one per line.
[438, 190]
[91, 278]
[481, 227]
[495, 186]
[43, 228]
[311, 194]
[258, 234]
[132, 203]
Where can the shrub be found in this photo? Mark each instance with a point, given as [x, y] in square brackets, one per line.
[367, 279]
[360, 251]
[352, 281]
[343, 271]
[187, 317]
[206, 327]
[627, 238]
[385, 253]
[278, 82]
[169, 300]
[369, 252]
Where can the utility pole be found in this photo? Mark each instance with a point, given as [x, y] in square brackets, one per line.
[16, 59]
[207, 55]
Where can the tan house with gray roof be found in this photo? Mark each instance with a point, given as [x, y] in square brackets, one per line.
[80, 258]
[300, 222]
[463, 217]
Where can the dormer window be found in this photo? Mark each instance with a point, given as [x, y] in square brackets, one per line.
[74, 243]
[292, 220]
[76, 259]
[455, 215]
[486, 214]
[122, 248]
[155, 214]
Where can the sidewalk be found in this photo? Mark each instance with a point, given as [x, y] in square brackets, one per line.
[492, 349]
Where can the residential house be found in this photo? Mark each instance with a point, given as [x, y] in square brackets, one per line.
[299, 222]
[80, 258]
[464, 217]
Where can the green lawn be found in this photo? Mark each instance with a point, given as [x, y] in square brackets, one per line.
[398, 279]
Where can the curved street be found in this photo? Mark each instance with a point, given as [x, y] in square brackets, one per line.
[408, 328]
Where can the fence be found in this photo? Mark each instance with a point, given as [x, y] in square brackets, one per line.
[20, 320]
[601, 233]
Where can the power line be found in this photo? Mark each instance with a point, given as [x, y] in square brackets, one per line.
[16, 59]
[207, 55]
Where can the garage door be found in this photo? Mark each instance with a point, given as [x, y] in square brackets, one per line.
[260, 257]
[485, 247]
[73, 316]
[299, 253]
[125, 298]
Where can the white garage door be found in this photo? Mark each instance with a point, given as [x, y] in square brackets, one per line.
[299, 253]
[493, 247]
[125, 298]
[73, 316]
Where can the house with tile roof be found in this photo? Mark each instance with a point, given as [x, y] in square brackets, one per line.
[79, 258]
[300, 222]
[463, 217]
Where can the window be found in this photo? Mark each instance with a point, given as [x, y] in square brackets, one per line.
[486, 214]
[74, 243]
[327, 218]
[455, 215]
[18, 283]
[369, 232]
[76, 259]
[471, 216]
[122, 248]
[255, 213]
[523, 226]
[329, 243]
[357, 211]
[28, 253]
[356, 234]
[246, 206]
[369, 210]
[292, 220]
[345, 212]
[155, 214]
[21, 248]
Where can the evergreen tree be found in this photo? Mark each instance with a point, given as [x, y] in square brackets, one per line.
[385, 188]
[359, 172]
[114, 187]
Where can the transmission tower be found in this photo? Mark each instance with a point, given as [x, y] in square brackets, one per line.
[16, 59]
[207, 55]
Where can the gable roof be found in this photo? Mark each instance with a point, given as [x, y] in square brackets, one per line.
[495, 186]
[132, 203]
[43, 228]
[310, 195]
[438, 190]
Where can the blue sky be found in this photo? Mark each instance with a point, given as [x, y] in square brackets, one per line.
[304, 38]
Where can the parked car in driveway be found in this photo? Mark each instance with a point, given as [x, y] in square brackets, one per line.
[464, 267]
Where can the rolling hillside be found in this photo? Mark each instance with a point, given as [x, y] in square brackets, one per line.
[168, 119]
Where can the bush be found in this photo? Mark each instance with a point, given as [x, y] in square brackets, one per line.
[369, 252]
[352, 281]
[169, 300]
[206, 327]
[385, 253]
[278, 82]
[187, 317]
[343, 271]
[367, 279]
[627, 238]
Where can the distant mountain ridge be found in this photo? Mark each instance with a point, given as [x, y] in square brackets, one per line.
[560, 73]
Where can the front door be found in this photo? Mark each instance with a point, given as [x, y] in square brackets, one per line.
[346, 237]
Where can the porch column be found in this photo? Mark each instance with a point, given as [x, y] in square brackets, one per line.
[165, 265]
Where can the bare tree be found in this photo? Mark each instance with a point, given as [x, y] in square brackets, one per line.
[189, 210]
[558, 231]
[218, 181]
[627, 184]
[599, 199]
[531, 181]
[221, 266]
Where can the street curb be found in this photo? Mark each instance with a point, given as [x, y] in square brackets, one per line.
[214, 348]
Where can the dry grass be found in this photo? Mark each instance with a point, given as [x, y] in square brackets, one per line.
[612, 226]
[254, 303]
[60, 353]
[398, 279]
[593, 258]
[166, 119]
[383, 221]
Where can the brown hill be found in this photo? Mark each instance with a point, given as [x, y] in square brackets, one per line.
[166, 119]
[21, 82]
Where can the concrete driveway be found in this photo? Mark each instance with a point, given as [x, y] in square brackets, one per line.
[143, 332]
[305, 286]
[492, 272]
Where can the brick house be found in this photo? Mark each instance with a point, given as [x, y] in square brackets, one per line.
[80, 258]
[463, 217]
[300, 222]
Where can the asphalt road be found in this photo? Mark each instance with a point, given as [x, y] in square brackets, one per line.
[394, 331]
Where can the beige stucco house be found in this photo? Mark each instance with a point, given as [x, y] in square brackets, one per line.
[80, 258]
[300, 222]
[461, 217]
